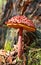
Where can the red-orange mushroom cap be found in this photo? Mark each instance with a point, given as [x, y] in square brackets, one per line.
[21, 22]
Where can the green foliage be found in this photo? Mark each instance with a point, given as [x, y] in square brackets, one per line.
[7, 46]
[34, 57]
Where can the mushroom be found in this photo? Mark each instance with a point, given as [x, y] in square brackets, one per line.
[22, 23]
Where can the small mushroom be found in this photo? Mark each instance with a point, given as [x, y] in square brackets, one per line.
[21, 23]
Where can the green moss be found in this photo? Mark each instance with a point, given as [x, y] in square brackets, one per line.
[7, 46]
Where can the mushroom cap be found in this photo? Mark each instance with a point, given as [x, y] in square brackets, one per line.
[21, 22]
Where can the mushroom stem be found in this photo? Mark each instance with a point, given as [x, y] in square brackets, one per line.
[20, 43]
